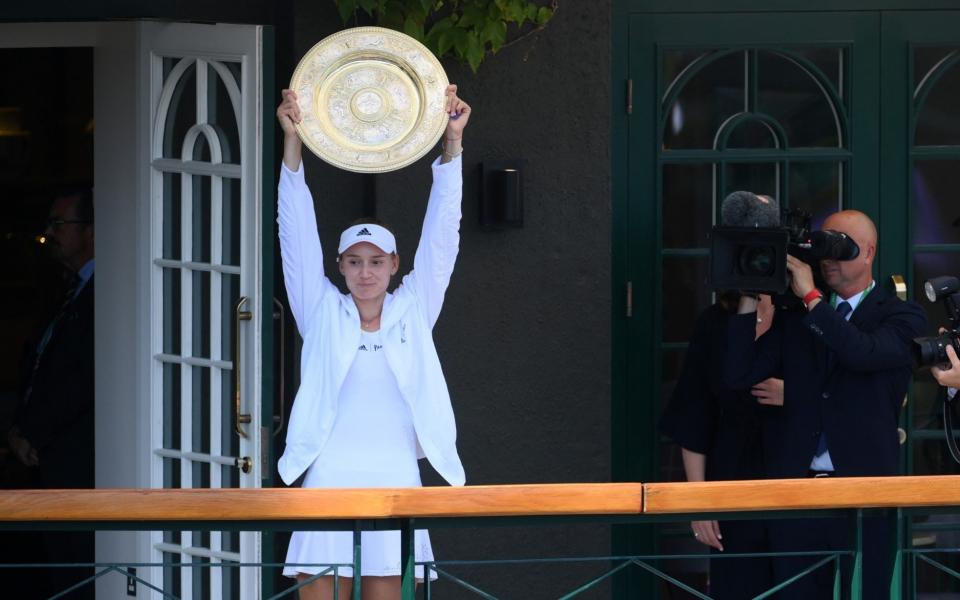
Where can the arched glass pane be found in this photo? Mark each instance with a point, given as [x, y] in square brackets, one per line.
[925, 58]
[815, 188]
[938, 121]
[686, 292]
[220, 113]
[829, 61]
[182, 114]
[714, 94]
[759, 178]
[201, 149]
[687, 205]
[752, 134]
[790, 94]
[936, 211]
[674, 62]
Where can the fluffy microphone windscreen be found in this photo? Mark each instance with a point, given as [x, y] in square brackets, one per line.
[746, 209]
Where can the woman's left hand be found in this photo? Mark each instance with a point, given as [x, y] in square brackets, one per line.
[459, 112]
[769, 392]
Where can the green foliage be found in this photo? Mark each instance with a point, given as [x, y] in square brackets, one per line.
[466, 29]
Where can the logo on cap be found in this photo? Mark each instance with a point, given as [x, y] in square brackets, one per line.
[364, 231]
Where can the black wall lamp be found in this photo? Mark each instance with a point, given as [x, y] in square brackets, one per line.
[501, 193]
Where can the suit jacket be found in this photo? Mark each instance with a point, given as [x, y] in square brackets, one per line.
[846, 378]
[58, 417]
[704, 416]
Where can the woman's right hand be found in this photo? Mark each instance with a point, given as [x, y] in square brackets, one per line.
[707, 533]
[288, 115]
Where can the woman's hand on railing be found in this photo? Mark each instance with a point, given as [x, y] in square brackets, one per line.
[707, 533]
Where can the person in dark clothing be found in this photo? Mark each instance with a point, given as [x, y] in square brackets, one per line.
[54, 427]
[719, 432]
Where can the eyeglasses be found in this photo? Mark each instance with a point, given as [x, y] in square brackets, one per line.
[54, 223]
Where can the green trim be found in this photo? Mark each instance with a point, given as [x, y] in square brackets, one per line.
[939, 248]
[935, 152]
[626, 7]
[737, 155]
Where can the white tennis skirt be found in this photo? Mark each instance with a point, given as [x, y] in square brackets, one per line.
[312, 552]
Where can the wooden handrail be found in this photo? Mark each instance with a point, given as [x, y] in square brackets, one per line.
[798, 494]
[297, 504]
[157, 505]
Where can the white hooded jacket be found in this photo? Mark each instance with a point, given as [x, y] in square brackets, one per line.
[330, 326]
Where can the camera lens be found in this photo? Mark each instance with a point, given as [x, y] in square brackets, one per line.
[929, 351]
[758, 261]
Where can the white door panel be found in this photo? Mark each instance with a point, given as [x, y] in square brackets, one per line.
[205, 287]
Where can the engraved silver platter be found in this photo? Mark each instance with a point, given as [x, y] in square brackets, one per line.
[372, 99]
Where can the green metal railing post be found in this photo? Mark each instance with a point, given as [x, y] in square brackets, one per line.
[895, 518]
[427, 586]
[357, 573]
[837, 587]
[856, 569]
[408, 588]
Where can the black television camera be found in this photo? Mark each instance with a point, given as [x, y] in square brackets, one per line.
[929, 351]
[754, 259]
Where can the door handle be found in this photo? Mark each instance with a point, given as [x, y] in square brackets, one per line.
[241, 315]
[281, 315]
[899, 286]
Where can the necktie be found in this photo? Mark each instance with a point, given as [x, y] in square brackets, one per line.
[843, 309]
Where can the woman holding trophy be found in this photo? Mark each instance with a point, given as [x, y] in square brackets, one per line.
[372, 397]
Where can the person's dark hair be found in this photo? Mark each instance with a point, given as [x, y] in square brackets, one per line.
[84, 195]
[729, 300]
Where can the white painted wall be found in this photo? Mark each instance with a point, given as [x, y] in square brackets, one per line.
[122, 326]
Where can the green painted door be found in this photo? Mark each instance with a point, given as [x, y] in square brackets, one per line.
[823, 110]
[920, 229]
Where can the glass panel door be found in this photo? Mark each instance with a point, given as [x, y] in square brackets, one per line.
[921, 122]
[206, 285]
[766, 103]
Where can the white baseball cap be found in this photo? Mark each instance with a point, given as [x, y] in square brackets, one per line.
[368, 232]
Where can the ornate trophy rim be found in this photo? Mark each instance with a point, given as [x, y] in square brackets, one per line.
[372, 99]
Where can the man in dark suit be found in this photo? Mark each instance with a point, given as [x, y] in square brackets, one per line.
[846, 366]
[54, 429]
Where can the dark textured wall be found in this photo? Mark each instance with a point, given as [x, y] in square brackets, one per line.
[524, 337]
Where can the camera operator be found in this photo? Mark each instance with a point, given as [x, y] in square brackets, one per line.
[719, 430]
[719, 434]
[846, 362]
